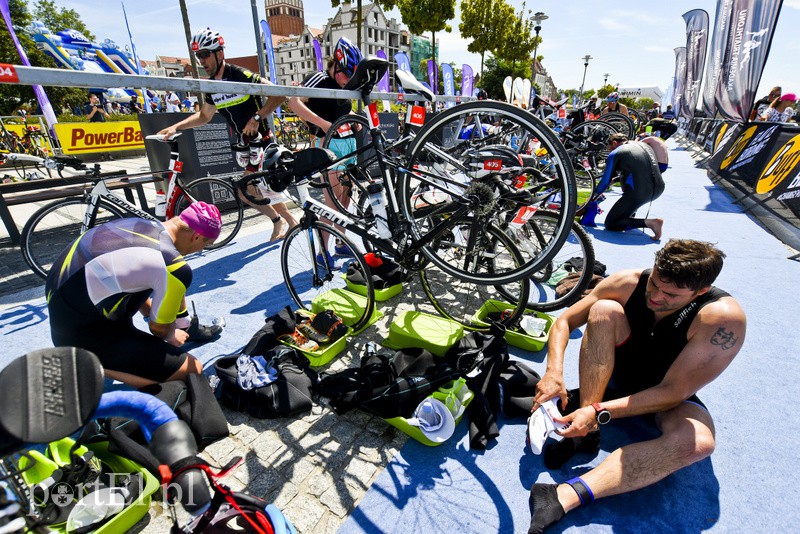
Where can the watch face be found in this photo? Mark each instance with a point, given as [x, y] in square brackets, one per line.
[604, 417]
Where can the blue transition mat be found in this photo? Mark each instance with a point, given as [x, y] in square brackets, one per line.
[746, 486]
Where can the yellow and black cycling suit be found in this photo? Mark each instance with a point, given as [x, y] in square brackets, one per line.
[238, 109]
[100, 282]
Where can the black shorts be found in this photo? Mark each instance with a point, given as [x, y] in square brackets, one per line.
[119, 345]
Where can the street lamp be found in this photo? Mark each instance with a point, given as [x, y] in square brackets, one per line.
[586, 59]
[605, 79]
[538, 17]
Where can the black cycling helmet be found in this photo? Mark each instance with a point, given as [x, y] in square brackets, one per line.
[482, 94]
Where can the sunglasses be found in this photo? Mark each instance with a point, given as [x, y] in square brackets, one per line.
[202, 54]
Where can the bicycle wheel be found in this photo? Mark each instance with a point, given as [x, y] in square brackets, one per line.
[310, 271]
[347, 181]
[446, 162]
[54, 227]
[223, 196]
[586, 180]
[469, 303]
[578, 245]
[621, 123]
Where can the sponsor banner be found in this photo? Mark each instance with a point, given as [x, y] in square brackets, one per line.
[715, 133]
[749, 153]
[448, 80]
[780, 177]
[383, 83]
[724, 137]
[717, 53]
[270, 51]
[680, 77]
[696, 41]
[751, 26]
[90, 137]
[433, 76]
[318, 55]
[467, 79]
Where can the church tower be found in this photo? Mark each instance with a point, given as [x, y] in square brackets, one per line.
[285, 17]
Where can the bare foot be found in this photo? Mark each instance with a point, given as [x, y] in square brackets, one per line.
[278, 230]
[655, 225]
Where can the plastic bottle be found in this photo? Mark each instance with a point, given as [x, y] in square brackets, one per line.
[161, 203]
[375, 191]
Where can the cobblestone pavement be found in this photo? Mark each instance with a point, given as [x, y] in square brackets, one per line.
[314, 467]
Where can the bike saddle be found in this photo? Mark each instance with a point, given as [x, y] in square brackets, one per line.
[412, 85]
[46, 395]
[368, 71]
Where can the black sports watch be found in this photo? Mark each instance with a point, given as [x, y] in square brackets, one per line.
[602, 415]
[257, 117]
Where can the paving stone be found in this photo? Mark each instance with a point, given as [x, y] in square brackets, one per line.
[283, 495]
[359, 473]
[298, 471]
[329, 524]
[220, 450]
[339, 499]
[319, 481]
[304, 513]
[345, 432]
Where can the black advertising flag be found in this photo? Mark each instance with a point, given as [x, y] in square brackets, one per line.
[680, 78]
[750, 29]
[696, 44]
[716, 56]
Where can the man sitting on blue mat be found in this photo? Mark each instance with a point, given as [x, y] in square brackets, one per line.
[653, 338]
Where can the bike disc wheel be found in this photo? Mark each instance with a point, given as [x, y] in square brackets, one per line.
[223, 196]
[52, 229]
[310, 271]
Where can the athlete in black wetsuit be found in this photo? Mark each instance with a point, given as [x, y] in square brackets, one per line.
[653, 338]
[245, 115]
[118, 269]
[641, 183]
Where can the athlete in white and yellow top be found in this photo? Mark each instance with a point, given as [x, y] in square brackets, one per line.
[120, 268]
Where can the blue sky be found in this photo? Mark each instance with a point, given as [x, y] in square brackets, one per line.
[632, 41]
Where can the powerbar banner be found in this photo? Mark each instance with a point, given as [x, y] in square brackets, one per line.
[750, 30]
[90, 137]
[696, 41]
[717, 53]
[680, 77]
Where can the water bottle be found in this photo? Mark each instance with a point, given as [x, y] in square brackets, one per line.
[375, 191]
[161, 204]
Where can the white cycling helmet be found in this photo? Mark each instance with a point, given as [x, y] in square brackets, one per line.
[207, 39]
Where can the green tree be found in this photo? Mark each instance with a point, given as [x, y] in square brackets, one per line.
[496, 71]
[644, 103]
[427, 16]
[13, 97]
[518, 39]
[485, 22]
[60, 18]
[606, 90]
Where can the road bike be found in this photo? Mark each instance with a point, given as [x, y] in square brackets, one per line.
[55, 226]
[461, 255]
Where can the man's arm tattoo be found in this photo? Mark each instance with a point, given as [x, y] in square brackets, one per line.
[724, 338]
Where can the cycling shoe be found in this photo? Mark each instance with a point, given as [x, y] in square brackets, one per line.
[199, 333]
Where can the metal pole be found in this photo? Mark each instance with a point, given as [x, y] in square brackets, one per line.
[605, 79]
[262, 66]
[586, 59]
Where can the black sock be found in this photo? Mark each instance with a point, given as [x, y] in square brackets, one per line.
[545, 508]
[559, 453]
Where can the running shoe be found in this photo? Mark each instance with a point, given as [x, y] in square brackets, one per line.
[298, 340]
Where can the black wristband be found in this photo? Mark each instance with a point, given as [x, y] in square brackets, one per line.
[582, 489]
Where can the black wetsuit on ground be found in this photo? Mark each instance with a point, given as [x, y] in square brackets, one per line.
[641, 183]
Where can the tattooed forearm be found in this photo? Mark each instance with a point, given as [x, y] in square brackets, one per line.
[724, 338]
